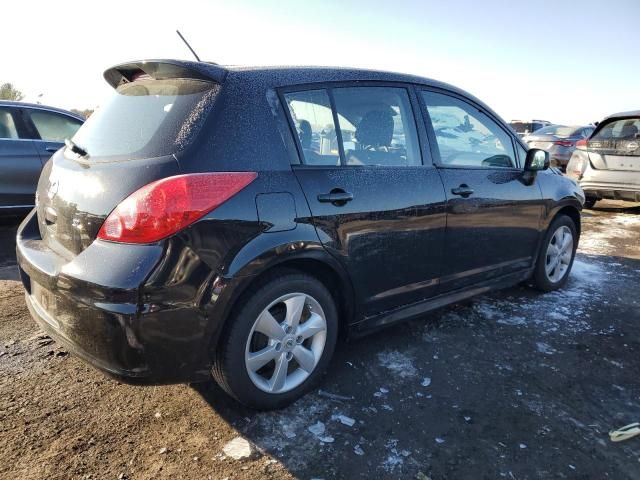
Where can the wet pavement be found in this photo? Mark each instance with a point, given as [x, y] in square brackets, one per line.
[516, 384]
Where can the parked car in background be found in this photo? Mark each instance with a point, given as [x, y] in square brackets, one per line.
[233, 221]
[607, 165]
[29, 135]
[559, 141]
[525, 127]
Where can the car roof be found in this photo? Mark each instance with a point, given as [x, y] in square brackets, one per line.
[272, 76]
[12, 103]
[631, 113]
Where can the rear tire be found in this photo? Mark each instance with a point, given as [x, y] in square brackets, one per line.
[589, 202]
[556, 255]
[267, 364]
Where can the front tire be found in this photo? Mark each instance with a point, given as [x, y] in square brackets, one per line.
[556, 255]
[276, 347]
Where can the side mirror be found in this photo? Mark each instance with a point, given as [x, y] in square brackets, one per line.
[536, 160]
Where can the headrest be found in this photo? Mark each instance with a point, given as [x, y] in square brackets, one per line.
[375, 129]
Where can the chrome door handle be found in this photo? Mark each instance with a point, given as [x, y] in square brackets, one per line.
[463, 190]
[337, 196]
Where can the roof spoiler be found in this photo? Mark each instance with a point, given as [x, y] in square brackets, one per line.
[162, 69]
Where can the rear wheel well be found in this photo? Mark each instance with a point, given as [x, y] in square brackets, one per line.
[315, 268]
[572, 213]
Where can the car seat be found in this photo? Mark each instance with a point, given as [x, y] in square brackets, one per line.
[374, 134]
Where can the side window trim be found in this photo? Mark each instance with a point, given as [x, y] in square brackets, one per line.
[432, 135]
[425, 148]
[336, 125]
[424, 141]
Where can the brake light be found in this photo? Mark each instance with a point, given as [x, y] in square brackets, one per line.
[166, 206]
[563, 143]
[582, 144]
[576, 167]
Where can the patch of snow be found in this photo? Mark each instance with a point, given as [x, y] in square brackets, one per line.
[399, 363]
[545, 348]
[317, 428]
[426, 381]
[238, 448]
[621, 219]
[515, 320]
[394, 459]
[587, 272]
[343, 419]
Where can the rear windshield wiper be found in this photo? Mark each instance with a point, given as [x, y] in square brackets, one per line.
[75, 148]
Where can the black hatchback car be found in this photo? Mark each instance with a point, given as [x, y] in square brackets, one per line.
[234, 221]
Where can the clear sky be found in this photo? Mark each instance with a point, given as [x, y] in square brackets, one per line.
[564, 61]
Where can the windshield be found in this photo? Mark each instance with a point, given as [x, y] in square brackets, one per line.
[147, 118]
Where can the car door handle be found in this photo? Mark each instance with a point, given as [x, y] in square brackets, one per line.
[337, 196]
[52, 149]
[463, 190]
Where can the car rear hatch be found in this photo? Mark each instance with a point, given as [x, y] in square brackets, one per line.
[156, 112]
[615, 145]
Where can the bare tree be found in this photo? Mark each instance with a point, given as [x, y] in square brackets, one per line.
[9, 92]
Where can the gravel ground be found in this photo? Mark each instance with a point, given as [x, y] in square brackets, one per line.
[512, 385]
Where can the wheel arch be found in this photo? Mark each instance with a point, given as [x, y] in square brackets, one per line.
[313, 259]
[570, 210]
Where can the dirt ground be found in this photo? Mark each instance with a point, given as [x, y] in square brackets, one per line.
[515, 385]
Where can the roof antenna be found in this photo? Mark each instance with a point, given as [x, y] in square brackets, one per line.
[188, 46]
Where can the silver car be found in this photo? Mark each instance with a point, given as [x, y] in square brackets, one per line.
[525, 127]
[607, 165]
[559, 140]
[29, 135]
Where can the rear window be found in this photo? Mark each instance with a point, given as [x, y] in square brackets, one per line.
[619, 137]
[147, 118]
[559, 131]
[627, 129]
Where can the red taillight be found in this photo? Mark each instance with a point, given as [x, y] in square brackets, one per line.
[563, 143]
[582, 144]
[166, 206]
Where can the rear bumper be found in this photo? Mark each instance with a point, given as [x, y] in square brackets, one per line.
[112, 306]
[615, 185]
[104, 348]
[560, 156]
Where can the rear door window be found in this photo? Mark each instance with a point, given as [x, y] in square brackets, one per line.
[380, 127]
[7, 124]
[53, 127]
[147, 118]
[465, 135]
[376, 126]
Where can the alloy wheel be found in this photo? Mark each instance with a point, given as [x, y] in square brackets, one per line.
[286, 343]
[559, 253]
